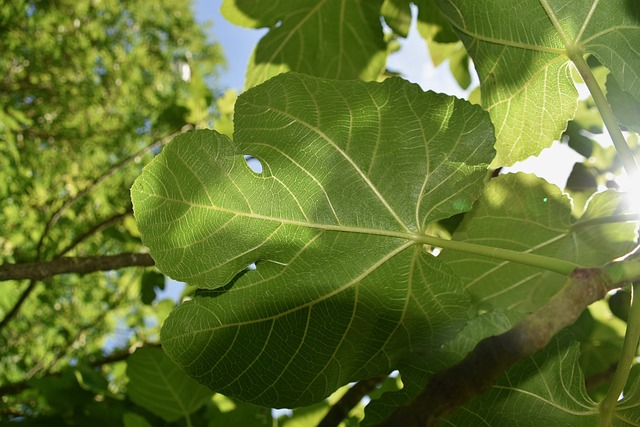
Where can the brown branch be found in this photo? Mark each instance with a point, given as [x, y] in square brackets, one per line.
[476, 373]
[13, 388]
[58, 214]
[121, 355]
[351, 398]
[43, 270]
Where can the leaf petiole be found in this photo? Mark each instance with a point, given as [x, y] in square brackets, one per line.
[624, 152]
[628, 353]
[555, 265]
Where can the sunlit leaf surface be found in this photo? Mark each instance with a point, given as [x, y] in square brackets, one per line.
[340, 39]
[520, 49]
[353, 172]
[525, 213]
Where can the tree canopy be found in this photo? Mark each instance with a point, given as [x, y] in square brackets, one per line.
[90, 91]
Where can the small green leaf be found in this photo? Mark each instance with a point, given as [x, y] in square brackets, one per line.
[353, 174]
[432, 24]
[224, 106]
[148, 283]
[521, 51]
[525, 213]
[228, 412]
[160, 386]
[619, 303]
[459, 66]
[397, 15]
[131, 419]
[340, 39]
[628, 409]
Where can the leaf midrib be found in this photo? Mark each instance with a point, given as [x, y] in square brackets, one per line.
[407, 235]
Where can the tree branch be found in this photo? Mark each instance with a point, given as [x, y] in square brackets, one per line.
[96, 229]
[342, 407]
[119, 356]
[43, 270]
[492, 356]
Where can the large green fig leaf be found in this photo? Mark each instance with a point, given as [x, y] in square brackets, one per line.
[340, 39]
[525, 213]
[521, 50]
[353, 173]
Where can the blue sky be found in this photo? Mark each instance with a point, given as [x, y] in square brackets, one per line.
[237, 42]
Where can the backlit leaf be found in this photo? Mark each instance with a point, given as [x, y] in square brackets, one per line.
[397, 15]
[520, 49]
[625, 106]
[525, 213]
[353, 173]
[340, 39]
[546, 389]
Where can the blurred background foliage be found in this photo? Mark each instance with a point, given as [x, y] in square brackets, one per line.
[90, 90]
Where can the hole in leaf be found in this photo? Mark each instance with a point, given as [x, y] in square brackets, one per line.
[253, 163]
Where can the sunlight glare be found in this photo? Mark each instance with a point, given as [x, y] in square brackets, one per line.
[630, 185]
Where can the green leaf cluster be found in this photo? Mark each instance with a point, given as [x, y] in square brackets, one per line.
[377, 261]
[90, 91]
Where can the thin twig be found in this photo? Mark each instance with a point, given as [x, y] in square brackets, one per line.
[25, 294]
[116, 356]
[351, 398]
[18, 304]
[96, 229]
[114, 302]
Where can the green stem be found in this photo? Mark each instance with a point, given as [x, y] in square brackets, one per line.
[555, 265]
[629, 350]
[627, 270]
[624, 152]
